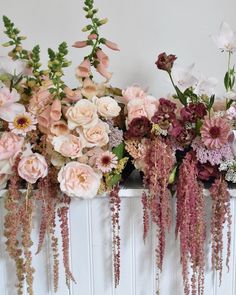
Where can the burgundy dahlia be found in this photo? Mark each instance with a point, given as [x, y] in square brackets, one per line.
[193, 111]
[165, 62]
[138, 128]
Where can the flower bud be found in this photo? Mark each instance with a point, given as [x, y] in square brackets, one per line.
[165, 62]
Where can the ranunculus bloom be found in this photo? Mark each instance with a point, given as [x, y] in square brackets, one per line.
[107, 106]
[83, 70]
[80, 44]
[101, 69]
[96, 135]
[165, 62]
[138, 128]
[10, 144]
[103, 58]
[193, 111]
[83, 113]
[79, 180]
[68, 145]
[215, 132]
[8, 106]
[39, 101]
[111, 45]
[33, 167]
[133, 92]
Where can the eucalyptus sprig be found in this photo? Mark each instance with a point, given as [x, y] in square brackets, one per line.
[57, 62]
[13, 34]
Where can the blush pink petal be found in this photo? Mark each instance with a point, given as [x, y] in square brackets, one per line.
[8, 113]
[102, 71]
[92, 36]
[55, 113]
[83, 70]
[112, 45]
[80, 44]
[103, 58]
[44, 118]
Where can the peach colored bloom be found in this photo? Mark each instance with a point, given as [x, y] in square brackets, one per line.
[111, 45]
[72, 95]
[68, 145]
[83, 113]
[33, 167]
[89, 88]
[39, 101]
[8, 106]
[215, 132]
[95, 136]
[101, 69]
[83, 70]
[80, 44]
[107, 106]
[103, 58]
[10, 144]
[59, 128]
[55, 112]
[79, 180]
[133, 92]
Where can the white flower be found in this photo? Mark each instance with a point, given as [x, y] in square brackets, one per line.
[206, 86]
[231, 94]
[12, 67]
[226, 38]
[107, 106]
[183, 77]
[23, 123]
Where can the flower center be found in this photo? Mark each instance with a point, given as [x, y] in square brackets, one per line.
[214, 132]
[81, 178]
[106, 160]
[21, 122]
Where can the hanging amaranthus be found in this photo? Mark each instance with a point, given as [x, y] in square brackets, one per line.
[190, 225]
[115, 220]
[221, 214]
[145, 215]
[159, 162]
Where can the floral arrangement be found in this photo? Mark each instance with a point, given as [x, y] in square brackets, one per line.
[58, 143]
[180, 144]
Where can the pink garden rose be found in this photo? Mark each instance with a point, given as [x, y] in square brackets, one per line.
[107, 107]
[133, 92]
[10, 144]
[8, 106]
[79, 180]
[33, 167]
[40, 100]
[83, 113]
[96, 135]
[68, 145]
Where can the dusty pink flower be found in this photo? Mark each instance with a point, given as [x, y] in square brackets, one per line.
[72, 95]
[80, 44]
[23, 123]
[39, 101]
[101, 69]
[215, 132]
[92, 36]
[83, 70]
[33, 167]
[133, 92]
[68, 145]
[106, 161]
[10, 144]
[103, 58]
[79, 180]
[8, 106]
[111, 45]
[89, 89]
[59, 128]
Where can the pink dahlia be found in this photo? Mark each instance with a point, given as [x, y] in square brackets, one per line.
[215, 132]
[106, 161]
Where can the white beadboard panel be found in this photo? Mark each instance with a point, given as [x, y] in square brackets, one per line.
[91, 256]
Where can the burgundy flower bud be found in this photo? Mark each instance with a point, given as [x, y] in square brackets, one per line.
[165, 62]
[166, 106]
[138, 128]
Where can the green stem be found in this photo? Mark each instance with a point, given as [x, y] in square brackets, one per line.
[229, 77]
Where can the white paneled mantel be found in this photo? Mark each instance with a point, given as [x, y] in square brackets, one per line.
[91, 256]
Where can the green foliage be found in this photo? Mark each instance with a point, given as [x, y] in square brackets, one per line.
[119, 150]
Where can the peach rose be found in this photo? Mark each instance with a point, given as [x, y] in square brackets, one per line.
[68, 145]
[107, 106]
[96, 135]
[33, 167]
[133, 92]
[83, 113]
[10, 144]
[79, 180]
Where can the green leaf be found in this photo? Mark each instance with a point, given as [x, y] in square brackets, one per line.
[198, 126]
[119, 150]
[114, 180]
[211, 102]
[181, 96]
[226, 81]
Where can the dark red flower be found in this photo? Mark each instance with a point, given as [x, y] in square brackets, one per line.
[138, 128]
[193, 112]
[165, 62]
[166, 106]
[206, 171]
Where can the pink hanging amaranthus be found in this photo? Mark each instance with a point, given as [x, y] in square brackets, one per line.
[159, 162]
[115, 220]
[221, 214]
[190, 225]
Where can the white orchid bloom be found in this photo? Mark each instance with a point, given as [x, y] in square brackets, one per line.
[231, 94]
[183, 77]
[12, 67]
[226, 38]
[206, 86]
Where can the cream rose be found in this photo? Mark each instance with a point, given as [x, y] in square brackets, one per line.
[79, 180]
[68, 145]
[107, 106]
[96, 135]
[10, 144]
[83, 113]
[33, 167]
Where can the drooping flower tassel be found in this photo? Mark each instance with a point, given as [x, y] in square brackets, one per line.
[221, 214]
[145, 215]
[190, 225]
[115, 221]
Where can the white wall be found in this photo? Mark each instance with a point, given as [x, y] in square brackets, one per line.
[142, 28]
